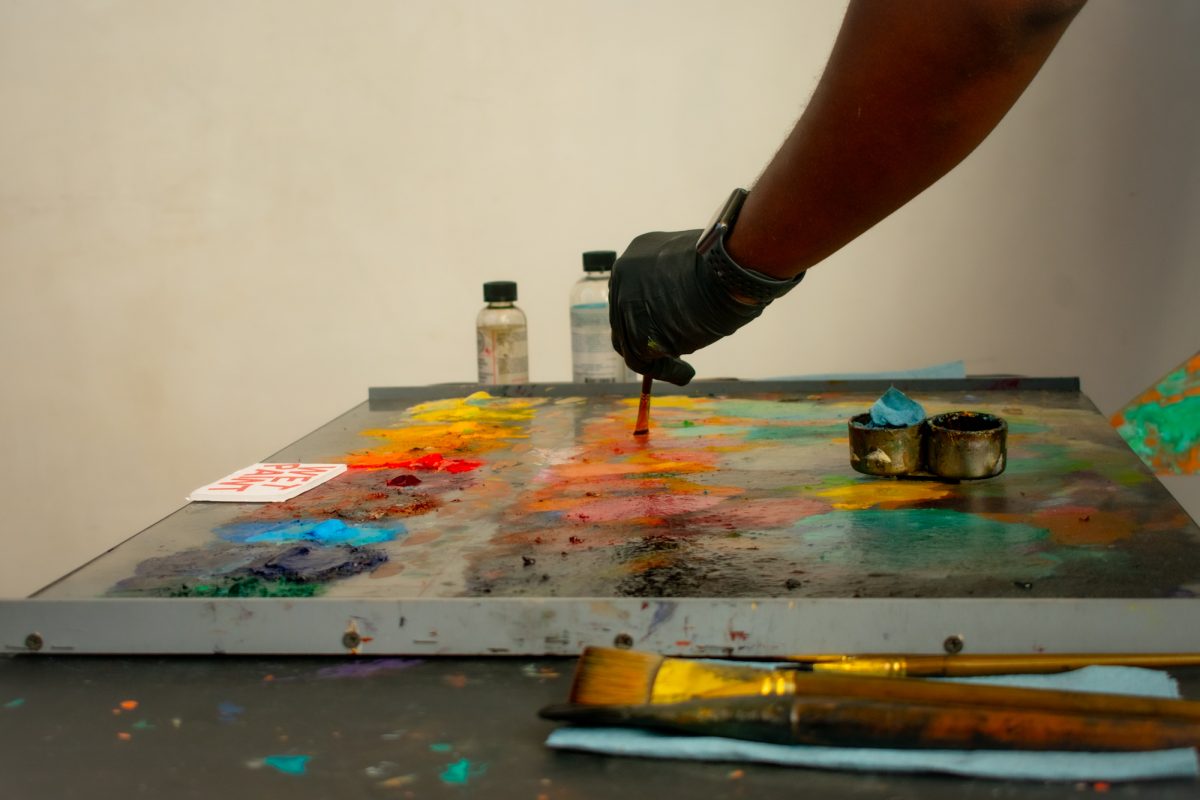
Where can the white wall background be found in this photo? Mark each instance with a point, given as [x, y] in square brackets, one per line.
[221, 221]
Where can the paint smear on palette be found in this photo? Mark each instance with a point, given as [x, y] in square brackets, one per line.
[323, 532]
[229, 569]
[446, 431]
[928, 542]
[1162, 425]
[367, 668]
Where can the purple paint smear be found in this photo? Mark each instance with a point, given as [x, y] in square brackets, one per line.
[363, 669]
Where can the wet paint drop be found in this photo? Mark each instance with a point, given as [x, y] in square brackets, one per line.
[460, 772]
[16, 702]
[288, 765]
[143, 725]
[128, 705]
[404, 480]
[124, 737]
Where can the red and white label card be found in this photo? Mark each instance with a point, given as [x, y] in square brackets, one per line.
[268, 483]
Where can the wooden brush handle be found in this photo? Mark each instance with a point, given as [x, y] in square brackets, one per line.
[843, 722]
[916, 690]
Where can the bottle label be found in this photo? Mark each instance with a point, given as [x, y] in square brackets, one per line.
[593, 359]
[503, 354]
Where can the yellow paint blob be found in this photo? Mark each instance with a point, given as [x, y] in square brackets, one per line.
[477, 407]
[882, 494]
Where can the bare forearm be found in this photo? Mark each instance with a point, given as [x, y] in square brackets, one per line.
[911, 88]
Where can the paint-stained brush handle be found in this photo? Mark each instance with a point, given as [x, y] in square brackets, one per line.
[642, 426]
[983, 664]
[841, 722]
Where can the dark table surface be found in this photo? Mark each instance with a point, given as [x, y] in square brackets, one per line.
[389, 728]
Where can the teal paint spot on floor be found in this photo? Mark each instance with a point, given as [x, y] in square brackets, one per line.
[458, 772]
[926, 541]
[288, 765]
[143, 725]
[441, 747]
[16, 702]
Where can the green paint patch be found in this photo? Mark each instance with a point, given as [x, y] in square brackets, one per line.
[16, 702]
[462, 771]
[441, 747]
[929, 542]
[1165, 436]
[245, 587]
[143, 725]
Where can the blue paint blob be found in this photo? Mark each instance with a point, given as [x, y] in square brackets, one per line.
[325, 532]
[288, 765]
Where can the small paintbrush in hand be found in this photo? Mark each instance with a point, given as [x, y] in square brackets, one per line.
[642, 426]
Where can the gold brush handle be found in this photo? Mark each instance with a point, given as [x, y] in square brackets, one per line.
[1001, 664]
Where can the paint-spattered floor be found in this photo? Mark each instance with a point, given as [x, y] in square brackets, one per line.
[301, 728]
[744, 493]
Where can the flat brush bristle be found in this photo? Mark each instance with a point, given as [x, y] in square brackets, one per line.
[606, 676]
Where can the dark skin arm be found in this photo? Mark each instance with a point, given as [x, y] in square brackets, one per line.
[911, 88]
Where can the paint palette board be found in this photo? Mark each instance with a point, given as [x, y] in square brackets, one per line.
[528, 520]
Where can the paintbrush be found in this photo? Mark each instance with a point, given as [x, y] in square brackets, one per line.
[607, 676]
[839, 721]
[900, 666]
[642, 426]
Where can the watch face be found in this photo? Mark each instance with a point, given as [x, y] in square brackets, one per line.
[722, 221]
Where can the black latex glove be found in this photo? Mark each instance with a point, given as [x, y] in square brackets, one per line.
[665, 301]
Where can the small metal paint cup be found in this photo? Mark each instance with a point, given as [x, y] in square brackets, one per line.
[884, 451]
[966, 445]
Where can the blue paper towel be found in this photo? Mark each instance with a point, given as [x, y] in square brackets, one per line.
[895, 409]
[1109, 767]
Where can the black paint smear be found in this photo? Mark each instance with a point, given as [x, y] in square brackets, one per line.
[230, 569]
[308, 564]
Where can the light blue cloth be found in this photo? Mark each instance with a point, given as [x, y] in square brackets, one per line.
[949, 370]
[1110, 767]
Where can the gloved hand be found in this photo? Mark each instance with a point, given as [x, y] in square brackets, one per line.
[665, 300]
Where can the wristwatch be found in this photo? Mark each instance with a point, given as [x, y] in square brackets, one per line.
[751, 288]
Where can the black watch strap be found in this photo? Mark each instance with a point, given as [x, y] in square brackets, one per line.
[742, 283]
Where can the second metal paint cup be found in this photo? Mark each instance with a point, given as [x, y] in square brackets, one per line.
[884, 451]
[965, 445]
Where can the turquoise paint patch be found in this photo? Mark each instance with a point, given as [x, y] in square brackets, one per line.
[774, 410]
[925, 540]
[326, 532]
[783, 432]
[1020, 426]
[16, 702]
[1047, 457]
[289, 765]
[461, 771]
[441, 747]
